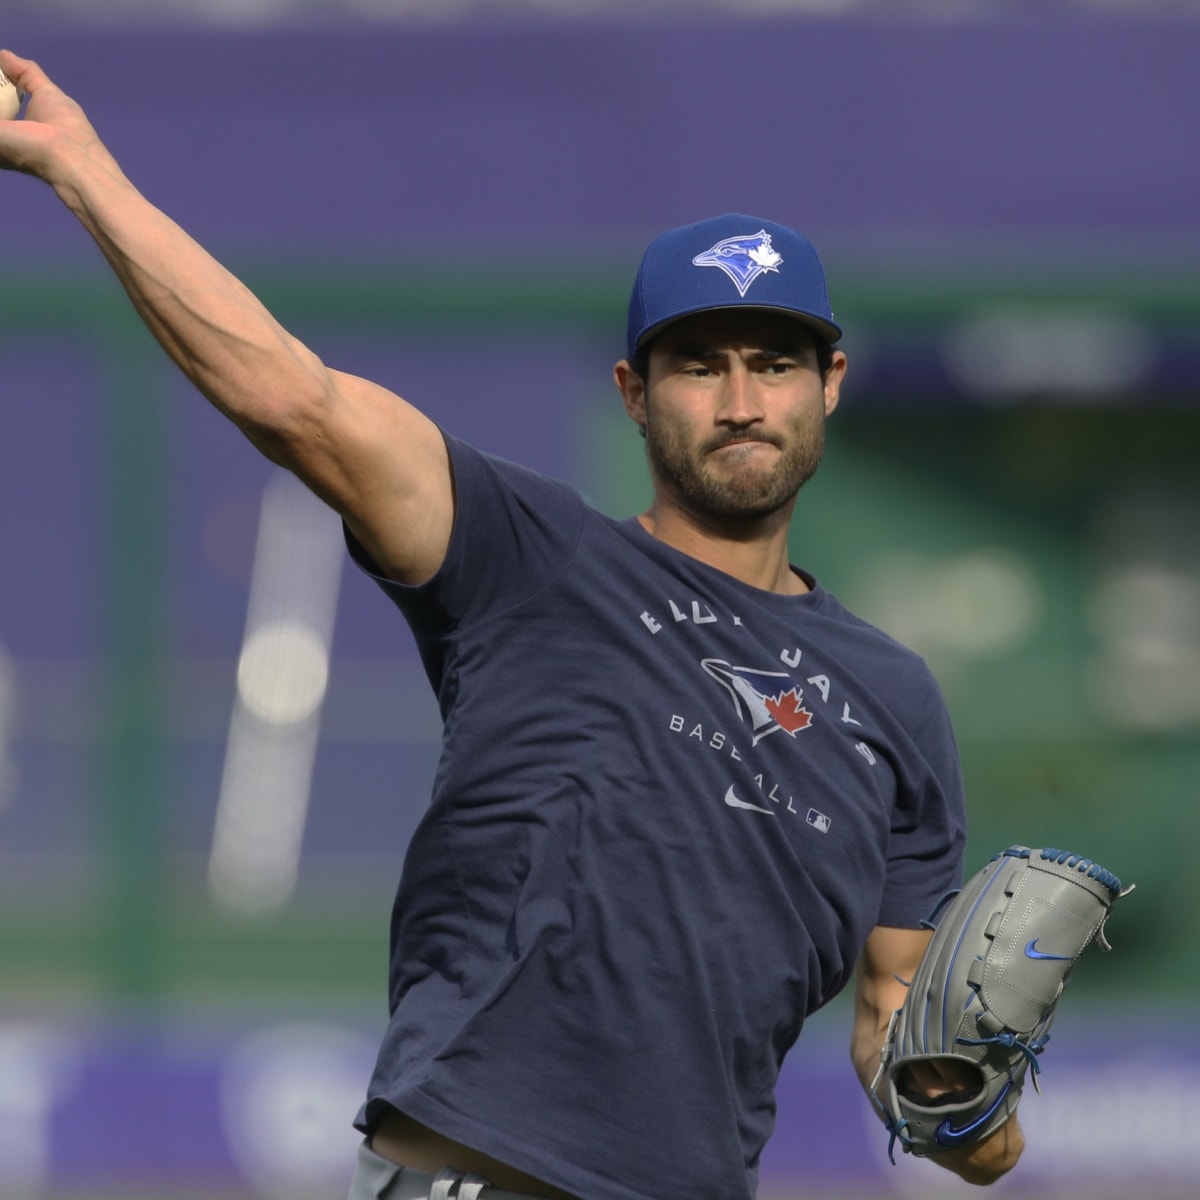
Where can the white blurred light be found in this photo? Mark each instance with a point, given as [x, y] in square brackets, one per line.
[1147, 608]
[442, 10]
[1143, 607]
[988, 602]
[35, 1073]
[283, 672]
[8, 720]
[1135, 1119]
[1146, 692]
[974, 605]
[259, 831]
[280, 12]
[216, 12]
[1009, 353]
[288, 1097]
[1146, 675]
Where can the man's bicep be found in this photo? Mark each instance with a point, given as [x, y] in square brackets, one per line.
[383, 465]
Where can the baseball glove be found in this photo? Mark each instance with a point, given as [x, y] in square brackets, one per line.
[985, 993]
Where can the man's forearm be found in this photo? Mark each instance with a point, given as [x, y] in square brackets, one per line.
[210, 324]
[213, 327]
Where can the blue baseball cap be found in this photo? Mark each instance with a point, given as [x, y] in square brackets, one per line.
[732, 261]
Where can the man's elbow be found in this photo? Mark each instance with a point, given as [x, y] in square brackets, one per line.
[290, 429]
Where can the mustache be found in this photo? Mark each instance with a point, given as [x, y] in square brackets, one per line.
[735, 439]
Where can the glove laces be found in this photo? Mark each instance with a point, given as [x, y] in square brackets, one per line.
[1030, 1049]
[896, 1129]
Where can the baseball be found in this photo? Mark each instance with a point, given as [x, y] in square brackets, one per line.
[10, 98]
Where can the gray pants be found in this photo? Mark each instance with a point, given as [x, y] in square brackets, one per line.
[378, 1178]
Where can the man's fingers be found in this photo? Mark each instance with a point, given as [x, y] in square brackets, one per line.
[24, 72]
[54, 128]
[938, 1079]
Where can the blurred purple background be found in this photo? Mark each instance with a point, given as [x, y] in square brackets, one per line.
[456, 210]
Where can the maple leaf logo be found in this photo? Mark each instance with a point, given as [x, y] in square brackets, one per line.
[788, 711]
[767, 700]
[766, 258]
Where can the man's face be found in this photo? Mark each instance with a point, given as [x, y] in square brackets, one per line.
[734, 409]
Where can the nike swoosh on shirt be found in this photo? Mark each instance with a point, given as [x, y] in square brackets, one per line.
[1031, 951]
[732, 799]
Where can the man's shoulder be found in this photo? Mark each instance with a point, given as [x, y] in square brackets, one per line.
[834, 609]
[875, 645]
[466, 457]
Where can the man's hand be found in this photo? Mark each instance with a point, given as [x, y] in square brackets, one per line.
[53, 135]
[934, 1080]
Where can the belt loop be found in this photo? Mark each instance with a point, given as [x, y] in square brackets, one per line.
[471, 1186]
[443, 1184]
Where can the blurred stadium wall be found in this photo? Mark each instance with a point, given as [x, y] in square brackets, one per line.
[215, 739]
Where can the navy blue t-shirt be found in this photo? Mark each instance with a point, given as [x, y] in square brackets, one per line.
[669, 809]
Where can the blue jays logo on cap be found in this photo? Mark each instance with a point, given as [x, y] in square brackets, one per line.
[743, 258]
[771, 267]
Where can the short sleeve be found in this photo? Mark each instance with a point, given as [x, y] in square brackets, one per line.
[514, 530]
[929, 824]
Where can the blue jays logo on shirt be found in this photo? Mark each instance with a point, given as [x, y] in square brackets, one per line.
[767, 701]
[742, 258]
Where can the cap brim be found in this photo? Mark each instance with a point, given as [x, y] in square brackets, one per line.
[825, 331]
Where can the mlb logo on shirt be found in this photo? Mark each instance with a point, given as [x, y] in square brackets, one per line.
[818, 820]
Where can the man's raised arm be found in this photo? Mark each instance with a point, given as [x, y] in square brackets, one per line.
[370, 455]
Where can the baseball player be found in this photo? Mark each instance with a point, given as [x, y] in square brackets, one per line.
[685, 796]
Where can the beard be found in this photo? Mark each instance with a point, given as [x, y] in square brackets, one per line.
[742, 491]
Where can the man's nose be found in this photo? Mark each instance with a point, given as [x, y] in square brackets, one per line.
[740, 402]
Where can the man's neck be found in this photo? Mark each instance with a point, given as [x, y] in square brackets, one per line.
[754, 552]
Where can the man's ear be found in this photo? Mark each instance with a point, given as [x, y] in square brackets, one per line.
[633, 391]
[833, 381]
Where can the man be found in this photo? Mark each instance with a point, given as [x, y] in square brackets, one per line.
[685, 795]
